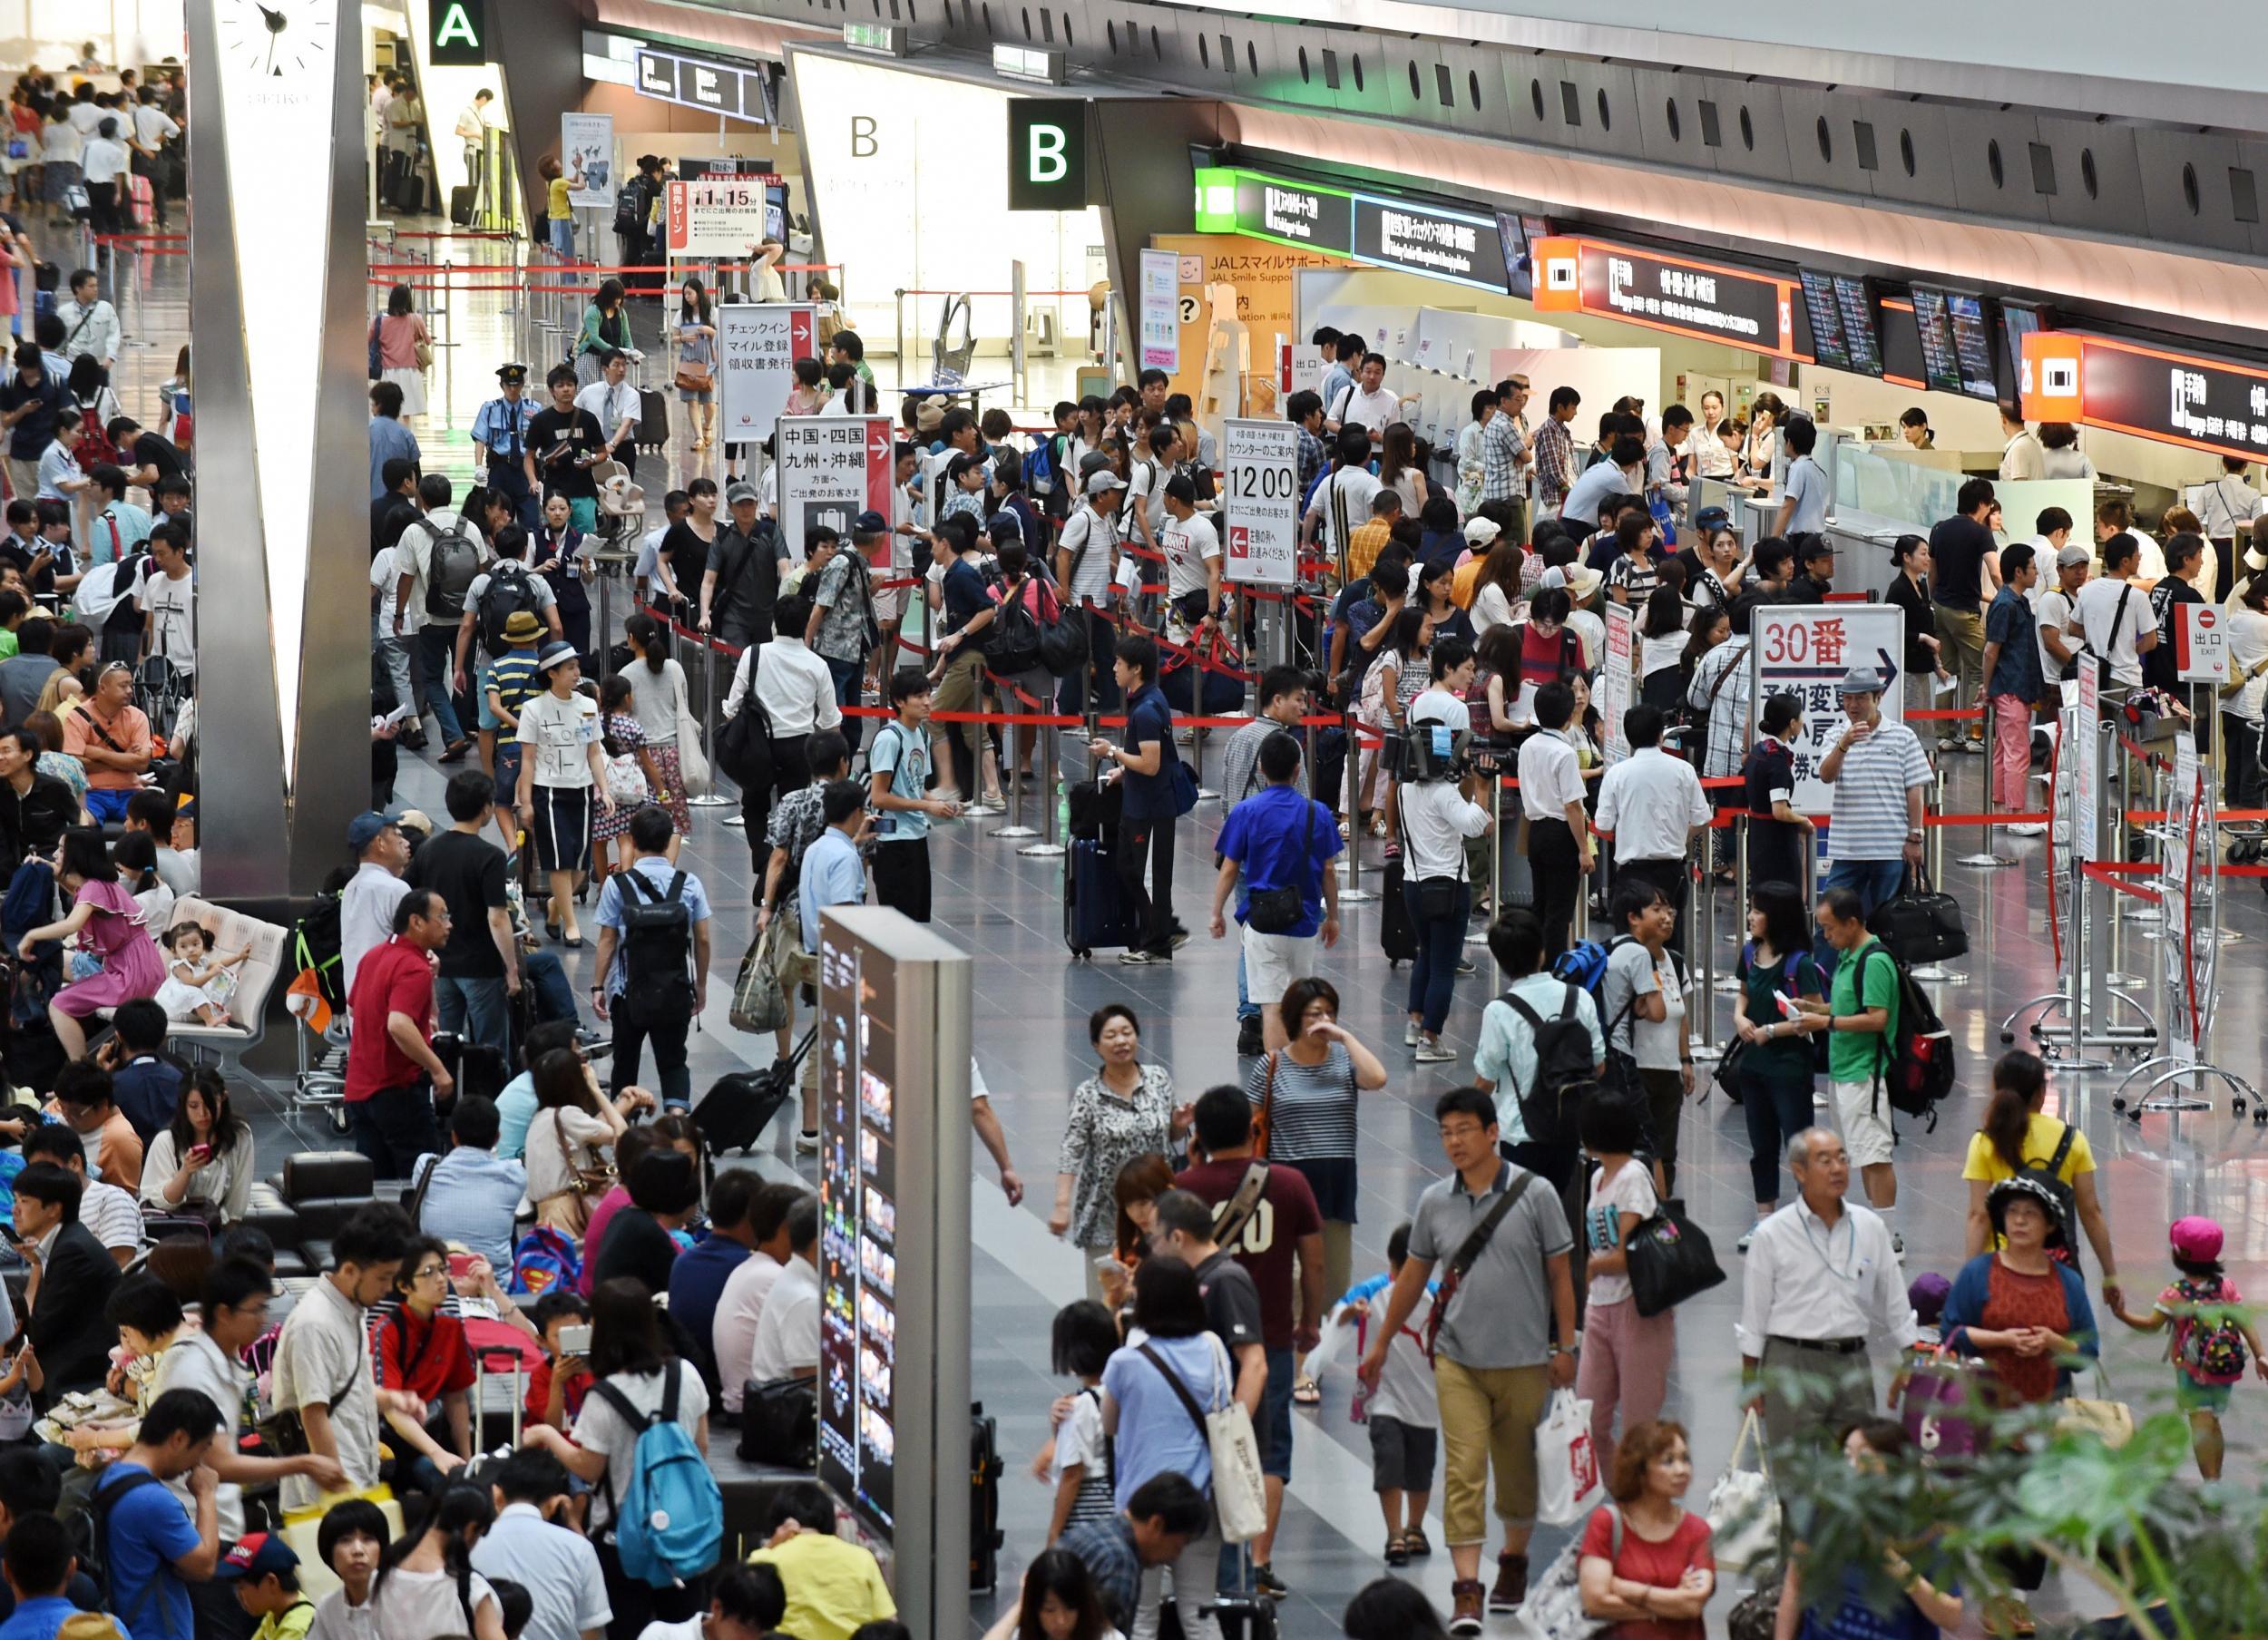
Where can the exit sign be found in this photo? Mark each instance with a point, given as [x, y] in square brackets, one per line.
[1047, 154]
[459, 32]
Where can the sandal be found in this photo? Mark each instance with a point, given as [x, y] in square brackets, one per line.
[1307, 1392]
[1414, 1540]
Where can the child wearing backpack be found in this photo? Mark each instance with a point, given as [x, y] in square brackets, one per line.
[2211, 1335]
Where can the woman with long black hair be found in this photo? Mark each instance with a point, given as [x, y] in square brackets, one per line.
[605, 328]
[427, 1585]
[697, 361]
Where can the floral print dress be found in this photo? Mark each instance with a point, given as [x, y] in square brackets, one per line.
[1106, 1132]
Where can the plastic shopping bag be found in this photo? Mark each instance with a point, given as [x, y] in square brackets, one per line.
[1743, 1511]
[1567, 1464]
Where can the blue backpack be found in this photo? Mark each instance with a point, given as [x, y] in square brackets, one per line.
[545, 1261]
[671, 1525]
[1584, 963]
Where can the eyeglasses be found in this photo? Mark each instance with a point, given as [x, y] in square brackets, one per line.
[430, 1273]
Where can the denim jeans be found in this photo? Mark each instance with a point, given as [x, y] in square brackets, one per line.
[1874, 881]
[483, 1004]
[554, 994]
[847, 674]
[1247, 1009]
[1441, 943]
[436, 664]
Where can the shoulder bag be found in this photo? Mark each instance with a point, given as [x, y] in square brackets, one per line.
[1275, 910]
[285, 1433]
[1462, 1262]
[570, 1209]
[1240, 1500]
[1670, 1260]
[692, 762]
[1230, 1229]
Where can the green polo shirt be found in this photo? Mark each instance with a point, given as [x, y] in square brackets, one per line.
[1862, 980]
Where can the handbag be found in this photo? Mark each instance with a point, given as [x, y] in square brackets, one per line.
[1566, 1462]
[570, 1209]
[423, 353]
[1941, 1389]
[1743, 1511]
[779, 1423]
[695, 378]
[2110, 1421]
[1726, 1075]
[1670, 1260]
[1240, 1503]
[1554, 1608]
[1919, 924]
[692, 762]
[1757, 1615]
[759, 1001]
[1275, 910]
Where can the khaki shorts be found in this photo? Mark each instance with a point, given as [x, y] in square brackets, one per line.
[1866, 1136]
[1272, 962]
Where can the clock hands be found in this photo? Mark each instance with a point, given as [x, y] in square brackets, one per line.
[275, 20]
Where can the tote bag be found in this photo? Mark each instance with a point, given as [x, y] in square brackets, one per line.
[692, 762]
[1240, 1499]
[1743, 1511]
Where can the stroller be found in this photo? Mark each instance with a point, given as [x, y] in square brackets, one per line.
[621, 509]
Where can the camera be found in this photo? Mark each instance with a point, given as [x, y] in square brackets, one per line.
[1428, 751]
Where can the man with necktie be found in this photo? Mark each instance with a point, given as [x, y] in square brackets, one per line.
[500, 429]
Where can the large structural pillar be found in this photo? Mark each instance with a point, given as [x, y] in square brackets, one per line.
[278, 264]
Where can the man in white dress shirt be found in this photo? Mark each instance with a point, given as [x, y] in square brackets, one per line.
[1367, 403]
[1820, 1279]
[1654, 805]
[615, 404]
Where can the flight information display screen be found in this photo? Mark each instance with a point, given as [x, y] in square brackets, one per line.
[1820, 306]
[1971, 317]
[1940, 365]
[1862, 324]
[858, 1260]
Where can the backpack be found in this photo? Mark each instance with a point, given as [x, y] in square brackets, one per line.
[545, 1261]
[1584, 963]
[1011, 639]
[90, 1529]
[671, 1523]
[94, 448]
[1916, 1064]
[450, 572]
[1039, 465]
[315, 949]
[2209, 1347]
[630, 208]
[2048, 1177]
[510, 589]
[657, 947]
[1565, 1070]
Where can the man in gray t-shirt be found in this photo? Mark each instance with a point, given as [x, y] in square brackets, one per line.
[1495, 1360]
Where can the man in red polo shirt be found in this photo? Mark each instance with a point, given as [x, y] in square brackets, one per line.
[391, 1056]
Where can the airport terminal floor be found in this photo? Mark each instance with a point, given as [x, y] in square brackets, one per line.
[1032, 1002]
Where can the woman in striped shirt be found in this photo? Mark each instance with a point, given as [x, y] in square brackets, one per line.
[1306, 1092]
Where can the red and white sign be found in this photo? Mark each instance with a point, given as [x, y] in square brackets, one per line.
[1260, 501]
[1300, 368]
[831, 468]
[2201, 644]
[715, 215]
[757, 345]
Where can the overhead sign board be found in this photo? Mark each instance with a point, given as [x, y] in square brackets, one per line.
[2216, 405]
[1260, 501]
[740, 91]
[459, 32]
[1362, 225]
[1700, 299]
[1804, 650]
[1424, 238]
[1047, 154]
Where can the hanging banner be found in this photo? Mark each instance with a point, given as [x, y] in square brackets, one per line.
[2216, 405]
[1160, 310]
[586, 158]
[2087, 765]
[1704, 300]
[1805, 650]
[831, 468]
[1260, 502]
[757, 345]
[1617, 680]
[719, 216]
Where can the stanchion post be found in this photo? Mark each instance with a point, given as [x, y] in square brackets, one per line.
[899, 305]
[1013, 786]
[1739, 828]
[1351, 891]
[1984, 859]
[712, 797]
[1705, 998]
[1935, 853]
[1052, 842]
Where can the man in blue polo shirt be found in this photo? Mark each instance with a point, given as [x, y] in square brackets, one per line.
[155, 1550]
[1281, 844]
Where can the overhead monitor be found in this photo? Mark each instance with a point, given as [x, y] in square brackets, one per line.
[1973, 341]
[2019, 320]
[1862, 324]
[1820, 308]
[1513, 232]
[1940, 365]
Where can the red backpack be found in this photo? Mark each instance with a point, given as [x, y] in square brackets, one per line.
[95, 449]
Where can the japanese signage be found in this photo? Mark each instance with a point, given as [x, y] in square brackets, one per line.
[2178, 882]
[460, 32]
[1615, 680]
[1264, 208]
[2201, 643]
[757, 345]
[1421, 238]
[1160, 317]
[1805, 650]
[1047, 155]
[1300, 368]
[1674, 294]
[2211, 405]
[740, 91]
[721, 216]
[586, 156]
[2087, 766]
[1260, 502]
[831, 469]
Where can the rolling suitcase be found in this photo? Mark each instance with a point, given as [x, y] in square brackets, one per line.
[1397, 934]
[653, 419]
[1095, 915]
[142, 204]
[461, 206]
[985, 1472]
[736, 1109]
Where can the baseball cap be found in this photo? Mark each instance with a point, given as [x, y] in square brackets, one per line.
[2196, 1238]
[738, 493]
[363, 828]
[257, 1555]
[2072, 554]
[1480, 532]
[1711, 518]
[869, 524]
[1103, 481]
[1860, 680]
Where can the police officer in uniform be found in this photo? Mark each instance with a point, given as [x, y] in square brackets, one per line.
[501, 430]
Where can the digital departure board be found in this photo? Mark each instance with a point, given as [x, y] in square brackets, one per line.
[1825, 314]
[1940, 365]
[1971, 318]
[1862, 324]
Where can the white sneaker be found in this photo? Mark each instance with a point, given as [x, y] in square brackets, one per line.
[1434, 1053]
[1410, 1035]
[2026, 828]
[806, 1143]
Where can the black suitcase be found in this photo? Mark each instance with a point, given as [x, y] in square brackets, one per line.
[736, 1109]
[1095, 915]
[1397, 934]
[985, 1472]
[461, 206]
[1241, 1616]
[653, 419]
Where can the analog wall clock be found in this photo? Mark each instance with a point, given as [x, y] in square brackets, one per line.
[277, 39]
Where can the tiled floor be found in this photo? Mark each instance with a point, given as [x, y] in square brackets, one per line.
[1031, 1007]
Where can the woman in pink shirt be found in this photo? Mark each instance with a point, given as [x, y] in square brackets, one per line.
[109, 922]
[404, 349]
